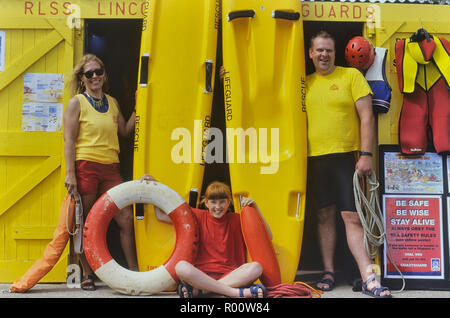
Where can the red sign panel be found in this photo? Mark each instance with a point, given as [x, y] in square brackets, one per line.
[414, 236]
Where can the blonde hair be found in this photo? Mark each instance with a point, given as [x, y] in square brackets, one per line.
[217, 190]
[76, 84]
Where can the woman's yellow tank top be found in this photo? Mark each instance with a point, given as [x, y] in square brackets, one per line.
[97, 137]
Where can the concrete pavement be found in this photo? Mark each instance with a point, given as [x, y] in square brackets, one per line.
[60, 290]
[59, 300]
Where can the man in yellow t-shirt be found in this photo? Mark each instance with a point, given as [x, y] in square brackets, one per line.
[340, 122]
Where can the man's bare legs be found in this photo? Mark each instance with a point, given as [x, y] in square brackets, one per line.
[355, 238]
[326, 229]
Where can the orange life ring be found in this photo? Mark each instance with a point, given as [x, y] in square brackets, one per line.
[96, 225]
[260, 246]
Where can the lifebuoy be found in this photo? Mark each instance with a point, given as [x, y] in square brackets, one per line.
[260, 246]
[96, 225]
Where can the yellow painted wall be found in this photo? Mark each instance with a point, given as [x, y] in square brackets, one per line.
[46, 37]
[40, 37]
[31, 190]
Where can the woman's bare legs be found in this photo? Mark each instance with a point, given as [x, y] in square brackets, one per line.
[124, 219]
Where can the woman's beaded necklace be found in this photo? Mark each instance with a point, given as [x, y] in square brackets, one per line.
[100, 104]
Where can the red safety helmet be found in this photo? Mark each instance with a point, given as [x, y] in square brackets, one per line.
[359, 53]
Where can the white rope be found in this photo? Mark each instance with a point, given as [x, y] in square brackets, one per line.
[78, 222]
[369, 213]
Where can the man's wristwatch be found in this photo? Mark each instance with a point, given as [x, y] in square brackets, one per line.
[365, 153]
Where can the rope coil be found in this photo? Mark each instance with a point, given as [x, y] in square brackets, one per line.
[369, 212]
[295, 290]
[78, 232]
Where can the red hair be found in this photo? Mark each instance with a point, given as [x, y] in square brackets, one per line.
[217, 190]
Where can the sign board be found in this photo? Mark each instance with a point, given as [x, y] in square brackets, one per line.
[2, 51]
[419, 174]
[415, 237]
[416, 201]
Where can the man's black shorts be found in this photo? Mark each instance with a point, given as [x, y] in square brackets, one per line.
[330, 180]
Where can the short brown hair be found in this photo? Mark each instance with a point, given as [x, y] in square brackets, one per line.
[321, 34]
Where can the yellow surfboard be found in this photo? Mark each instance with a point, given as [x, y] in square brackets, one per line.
[263, 55]
[174, 100]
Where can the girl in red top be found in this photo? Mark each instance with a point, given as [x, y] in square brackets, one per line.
[220, 267]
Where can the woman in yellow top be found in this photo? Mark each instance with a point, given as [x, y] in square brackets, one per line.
[92, 122]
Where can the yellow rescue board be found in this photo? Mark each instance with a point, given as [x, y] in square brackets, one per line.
[263, 57]
[174, 100]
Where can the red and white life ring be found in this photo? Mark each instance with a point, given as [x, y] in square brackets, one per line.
[96, 225]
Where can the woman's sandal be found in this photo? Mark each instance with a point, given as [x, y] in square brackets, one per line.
[330, 282]
[254, 289]
[87, 283]
[375, 291]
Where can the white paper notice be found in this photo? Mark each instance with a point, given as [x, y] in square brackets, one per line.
[42, 102]
[2, 50]
[42, 116]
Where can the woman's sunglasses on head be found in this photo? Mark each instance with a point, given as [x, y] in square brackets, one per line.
[97, 72]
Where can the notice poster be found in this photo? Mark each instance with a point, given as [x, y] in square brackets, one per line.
[43, 87]
[448, 210]
[2, 51]
[42, 117]
[448, 174]
[42, 102]
[414, 235]
[422, 174]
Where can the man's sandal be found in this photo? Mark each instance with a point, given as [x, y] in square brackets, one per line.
[375, 291]
[328, 281]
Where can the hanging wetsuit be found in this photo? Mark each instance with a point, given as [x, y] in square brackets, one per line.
[423, 70]
[376, 77]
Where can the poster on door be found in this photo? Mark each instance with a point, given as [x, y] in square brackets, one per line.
[2, 51]
[419, 174]
[42, 107]
[414, 235]
[448, 174]
[448, 210]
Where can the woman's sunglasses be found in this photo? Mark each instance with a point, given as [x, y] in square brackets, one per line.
[97, 72]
